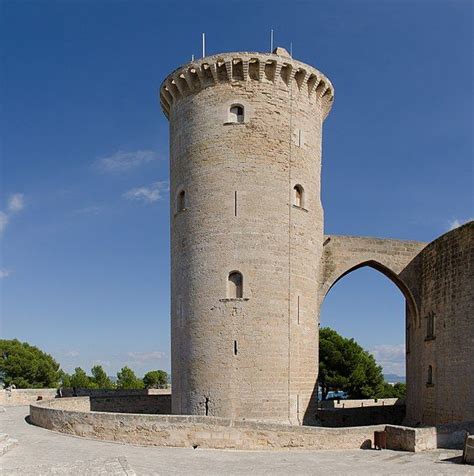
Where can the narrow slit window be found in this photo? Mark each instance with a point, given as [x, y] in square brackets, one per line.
[181, 206]
[235, 203]
[235, 285]
[235, 347]
[207, 406]
[236, 113]
[298, 196]
[429, 380]
[430, 326]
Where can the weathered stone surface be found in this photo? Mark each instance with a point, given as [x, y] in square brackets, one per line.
[445, 277]
[255, 356]
[245, 196]
[191, 431]
[468, 453]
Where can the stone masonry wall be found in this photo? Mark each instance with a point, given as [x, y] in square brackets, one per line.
[150, 404]
[192, 431]
[20, 396]
[446, 284]
[255, 356]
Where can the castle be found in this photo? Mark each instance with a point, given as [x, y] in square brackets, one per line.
[250, 263]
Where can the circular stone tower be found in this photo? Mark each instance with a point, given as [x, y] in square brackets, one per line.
[246, 234]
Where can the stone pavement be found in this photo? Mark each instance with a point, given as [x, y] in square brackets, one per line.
[42, 452]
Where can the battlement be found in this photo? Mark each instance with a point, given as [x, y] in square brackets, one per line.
[244, 66]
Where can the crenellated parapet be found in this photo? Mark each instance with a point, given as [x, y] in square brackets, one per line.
[278, 69]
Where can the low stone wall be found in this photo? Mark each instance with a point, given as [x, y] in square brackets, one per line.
[101, 392]
[25, 396]
[191, 431]
[361, 403]
[428, 438]
[361, 416]
[150, 404]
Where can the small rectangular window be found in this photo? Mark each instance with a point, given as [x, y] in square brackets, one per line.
[235, 347]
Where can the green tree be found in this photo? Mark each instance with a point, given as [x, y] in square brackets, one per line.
[345, 365]
[126, 379]
[79, 379]
[64, 379]
[155, 379]
[392, 391]
[26, 366]
[100, 378]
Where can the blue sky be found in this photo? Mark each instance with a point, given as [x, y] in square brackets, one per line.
[83, 197]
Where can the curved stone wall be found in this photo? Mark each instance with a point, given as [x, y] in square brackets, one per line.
[444, 337]
[73, 416]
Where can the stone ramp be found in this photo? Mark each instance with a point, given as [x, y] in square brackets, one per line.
[6, 443]
[111, 466]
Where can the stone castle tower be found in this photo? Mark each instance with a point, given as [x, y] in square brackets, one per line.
[246, 234]
[251, 265]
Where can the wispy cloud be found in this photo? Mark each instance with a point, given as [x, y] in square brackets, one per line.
[71, 353]
[4, 273]
[146, 356]
[390, 357]
[458, 222]
[16, 202]
[91, 210]
[123, 161]
[148, 194]
[104, 363]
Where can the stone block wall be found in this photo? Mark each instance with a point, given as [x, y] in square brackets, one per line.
[443, 339]
[253, 356]
[25, 396]
[149, 404]
[361, 416]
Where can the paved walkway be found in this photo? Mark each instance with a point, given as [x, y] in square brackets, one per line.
[42, 452]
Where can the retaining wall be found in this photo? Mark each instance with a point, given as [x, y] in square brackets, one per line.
[74, 416]
[25, 396]
[149, 404]
[360, 416]
[191, 431]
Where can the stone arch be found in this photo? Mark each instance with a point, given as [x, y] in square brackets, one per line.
[344, 254]
[412, 308]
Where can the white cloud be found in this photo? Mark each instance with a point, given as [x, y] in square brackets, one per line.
[122, 161]
[3, 221]
[71, 353]
[146, 356]
[4, 273]
[149, 194]
[16, 202]
[390, 357]
[457, 222]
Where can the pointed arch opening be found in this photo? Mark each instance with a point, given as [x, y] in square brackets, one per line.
[377, 314]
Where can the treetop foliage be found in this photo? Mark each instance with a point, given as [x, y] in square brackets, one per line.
[26, 366]
[345, 365]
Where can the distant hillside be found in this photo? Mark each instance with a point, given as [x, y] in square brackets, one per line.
[392, 378]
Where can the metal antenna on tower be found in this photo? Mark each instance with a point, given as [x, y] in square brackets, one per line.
[291, 49]
[203, 45]
[192, 57]
[271, 41]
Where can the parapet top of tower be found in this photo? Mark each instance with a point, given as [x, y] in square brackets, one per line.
[276, 67]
